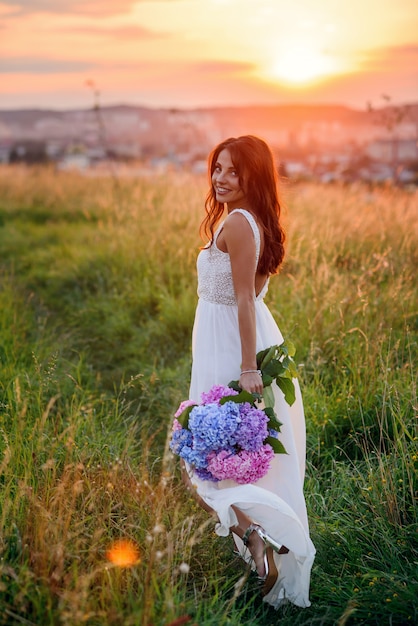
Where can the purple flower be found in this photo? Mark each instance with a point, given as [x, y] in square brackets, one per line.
[252, 429]
[205, 474]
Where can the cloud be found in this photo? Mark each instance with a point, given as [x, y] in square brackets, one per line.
[400, 58]
[118, 32]
[85, 7]
[31, 65]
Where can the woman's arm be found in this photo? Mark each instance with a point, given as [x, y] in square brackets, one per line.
[240, 244]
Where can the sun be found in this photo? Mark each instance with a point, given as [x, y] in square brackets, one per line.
[300, 64]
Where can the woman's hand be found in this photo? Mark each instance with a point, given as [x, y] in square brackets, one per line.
[251, 381]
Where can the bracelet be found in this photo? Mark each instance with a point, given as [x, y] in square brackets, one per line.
[251, 372]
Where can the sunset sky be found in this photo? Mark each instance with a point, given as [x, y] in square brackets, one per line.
[192, 53]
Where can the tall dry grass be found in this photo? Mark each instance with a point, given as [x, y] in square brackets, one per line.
[97, 300]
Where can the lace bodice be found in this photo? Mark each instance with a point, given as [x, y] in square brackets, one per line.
[214, 269]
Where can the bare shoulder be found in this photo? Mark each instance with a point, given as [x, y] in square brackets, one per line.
[237, 225]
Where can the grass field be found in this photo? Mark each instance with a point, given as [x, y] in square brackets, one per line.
[97, 297]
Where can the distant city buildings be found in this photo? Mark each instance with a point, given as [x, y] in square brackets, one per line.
[311, 142]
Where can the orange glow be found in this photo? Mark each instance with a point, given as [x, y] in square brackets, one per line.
[206, 52]
[123, 553]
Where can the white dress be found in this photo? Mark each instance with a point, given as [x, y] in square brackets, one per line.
[275, 501]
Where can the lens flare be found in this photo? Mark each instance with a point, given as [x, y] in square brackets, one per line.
[123, 553]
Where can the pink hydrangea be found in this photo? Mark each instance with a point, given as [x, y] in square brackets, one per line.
[244, 467]
[184, 405]
[217, 392]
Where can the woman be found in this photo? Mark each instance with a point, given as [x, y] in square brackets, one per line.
[232, 324]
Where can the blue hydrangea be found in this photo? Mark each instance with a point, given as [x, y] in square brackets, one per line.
[194, 457]
[214, 426]
[181, 439]
[182, 443]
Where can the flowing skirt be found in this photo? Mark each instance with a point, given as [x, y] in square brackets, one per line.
[276, 501]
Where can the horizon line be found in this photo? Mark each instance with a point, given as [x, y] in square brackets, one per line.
[206, 107]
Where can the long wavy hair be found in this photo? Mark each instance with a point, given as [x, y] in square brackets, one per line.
[254, 163]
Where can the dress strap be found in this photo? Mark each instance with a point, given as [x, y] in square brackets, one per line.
[254, 228]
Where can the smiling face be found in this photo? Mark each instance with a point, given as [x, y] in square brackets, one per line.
[226, 182]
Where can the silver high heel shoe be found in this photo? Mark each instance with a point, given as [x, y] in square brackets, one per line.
[271, 572]
[269, 541]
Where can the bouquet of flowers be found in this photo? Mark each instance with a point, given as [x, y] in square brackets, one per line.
[226, 436]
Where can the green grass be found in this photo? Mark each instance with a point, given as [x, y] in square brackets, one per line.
[97, 297]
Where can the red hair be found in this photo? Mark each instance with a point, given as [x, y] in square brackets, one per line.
[254, 163]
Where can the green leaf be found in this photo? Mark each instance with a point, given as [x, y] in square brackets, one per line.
[243, 396]
[183, 418]
[234, 385]
[288, 388]
[268, 396]
[287, 348]
[291, 349]
[290, 366]
[275, 363]
[274, 368]
[267, 380]
[276, 444]
[260, 356]
[267, 357]
[274, 422]
[270, 412]
[287, 374]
